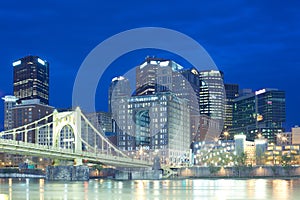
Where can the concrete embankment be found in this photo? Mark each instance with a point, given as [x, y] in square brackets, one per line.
[211, 172]
[138, 175]
[80, 173]
[18, 175]
[239, 172]
[21, 173]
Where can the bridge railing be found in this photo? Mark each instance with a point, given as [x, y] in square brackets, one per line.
[88, 155]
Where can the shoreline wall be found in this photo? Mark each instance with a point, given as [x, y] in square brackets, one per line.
[138, 175]
[240, 172]
[20, 175]
[78, 173]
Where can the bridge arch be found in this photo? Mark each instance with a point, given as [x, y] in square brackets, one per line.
[67, 137]
[67, 121]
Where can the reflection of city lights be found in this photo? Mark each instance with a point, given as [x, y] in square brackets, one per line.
[42, 185]
[280, 189]
[120, 185]
[260, 188]
[140, 188]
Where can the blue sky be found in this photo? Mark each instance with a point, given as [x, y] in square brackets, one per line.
[255, 43]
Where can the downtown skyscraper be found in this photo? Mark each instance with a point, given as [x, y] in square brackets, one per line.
[155, 117]
[31, 95]
[259, 113]
[232, 92]
[215, 97]
[31, 79]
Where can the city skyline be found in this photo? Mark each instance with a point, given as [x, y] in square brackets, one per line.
[254, 40]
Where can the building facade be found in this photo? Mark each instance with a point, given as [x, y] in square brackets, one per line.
[204, 128]
[262, 112]
[156, 75]
[160, 123]
[232, 92]
[103, 122]
[29, 111]
[31, 79]
[296, 135]
[9, 103]
[119, 93]
[155, 120]
[119, 89]
[213, 80]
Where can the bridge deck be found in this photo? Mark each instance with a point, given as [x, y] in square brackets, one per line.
[31, 149]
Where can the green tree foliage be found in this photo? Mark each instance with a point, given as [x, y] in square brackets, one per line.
[240, 160]
[286, 160]
[214, 169]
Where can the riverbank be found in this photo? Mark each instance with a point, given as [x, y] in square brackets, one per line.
[21, 173]
[18, 175]
[239, 172]
[245, 172]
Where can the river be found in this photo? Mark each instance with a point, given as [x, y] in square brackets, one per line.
[98, 189]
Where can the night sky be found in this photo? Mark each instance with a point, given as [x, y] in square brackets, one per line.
[256, 44]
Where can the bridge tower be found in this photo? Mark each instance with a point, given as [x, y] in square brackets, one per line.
[72, 120]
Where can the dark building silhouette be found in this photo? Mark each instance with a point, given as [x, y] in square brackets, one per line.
[262, 112]
[232, 92]
[31, 79]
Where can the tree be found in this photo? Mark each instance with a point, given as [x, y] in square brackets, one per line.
[240, 159]
[240, 163]
[214, 169]
[286, 160]
[286, 163]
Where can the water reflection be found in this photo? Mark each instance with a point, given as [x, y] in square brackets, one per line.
[10, 188]
[42, 190]
[144, 189]
[280, 189]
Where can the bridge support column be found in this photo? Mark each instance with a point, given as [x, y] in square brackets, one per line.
[14, 135]
[77, 131]
[67, 173]
[36, 133]
[25, 135]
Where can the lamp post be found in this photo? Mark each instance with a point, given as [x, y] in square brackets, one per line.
[259, 135]
[216, 139]
[226, 134]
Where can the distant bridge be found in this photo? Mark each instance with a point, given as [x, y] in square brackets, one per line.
[66, 136]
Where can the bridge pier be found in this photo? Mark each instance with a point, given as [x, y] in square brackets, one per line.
[67, 173]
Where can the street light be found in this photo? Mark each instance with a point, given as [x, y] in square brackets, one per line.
[216, 139]
[226, 134]
[259, 135]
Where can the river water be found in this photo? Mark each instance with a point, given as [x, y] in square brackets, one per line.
[215, 189]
